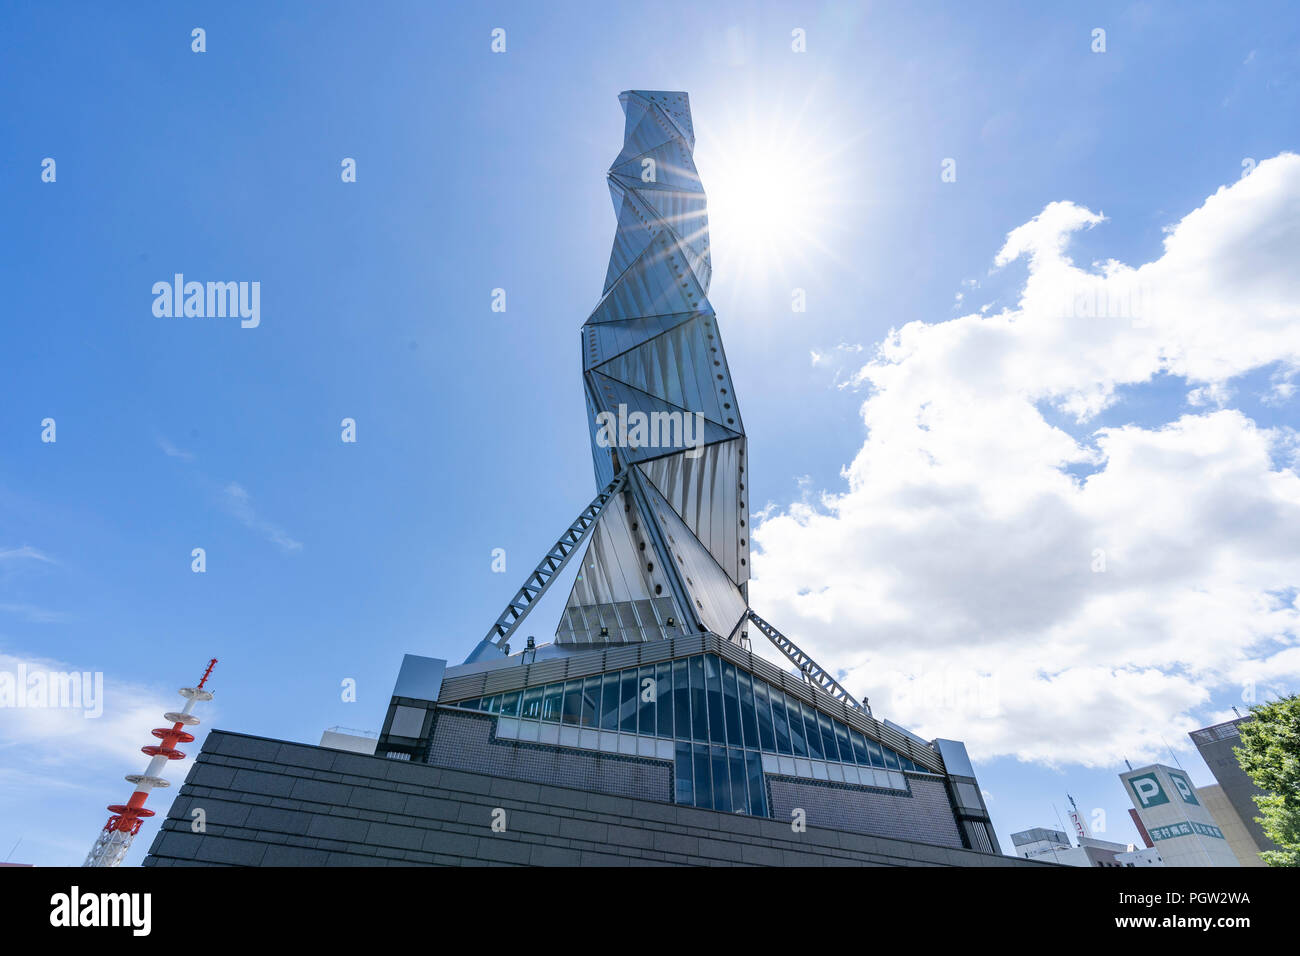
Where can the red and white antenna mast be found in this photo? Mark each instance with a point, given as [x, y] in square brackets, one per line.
[115, 839]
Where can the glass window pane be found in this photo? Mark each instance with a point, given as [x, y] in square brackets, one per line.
[842, 738]
[590, 701]
[784, 742]
[467, 704]
[532, 708]
[490, 704]
[681, 702]
[703, 792]
[891, 760]
[721, 786]
[766, 734]
[757, 794]
[609, 702]
[551, 703]
[713, 681]
[739, 797]
[748, 719]
[877, 758]
[683, 773]
[829, 746]
[645, 692]
[798, 739]
[664, 706]
[731, 706]
[572, 713]
[860, 749]
[627, 703]
[813, 729]
[811, 733]
[699, 710]
[510, 704]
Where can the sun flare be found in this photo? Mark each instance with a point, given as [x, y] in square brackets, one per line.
[771, 198]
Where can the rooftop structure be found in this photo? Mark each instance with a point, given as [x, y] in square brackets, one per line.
[1046, 845]
[650, 694]
[1215, 744]
[651, 658]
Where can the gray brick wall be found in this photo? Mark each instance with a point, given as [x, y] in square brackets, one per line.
[924, 814]
[463, 742]
[271, 803]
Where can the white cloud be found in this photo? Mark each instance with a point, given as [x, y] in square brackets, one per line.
[171, 451]
[1216, 393]
[954, 577]
[239, 503]
[24, 553]
[49, 740]
[1281, 388]
[31, 613]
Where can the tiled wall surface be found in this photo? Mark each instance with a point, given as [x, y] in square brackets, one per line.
[461, 741]
[923, 815]
[272, 803]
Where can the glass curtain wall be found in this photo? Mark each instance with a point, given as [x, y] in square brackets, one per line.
[720, 718]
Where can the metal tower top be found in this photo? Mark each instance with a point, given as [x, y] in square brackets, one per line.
[662, 408]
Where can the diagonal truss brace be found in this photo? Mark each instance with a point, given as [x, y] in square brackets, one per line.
[496, 642]
[810, 669]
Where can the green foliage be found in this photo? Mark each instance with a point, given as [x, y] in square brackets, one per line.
[1270, 756]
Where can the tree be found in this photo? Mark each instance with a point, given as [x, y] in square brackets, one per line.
[1270, 756]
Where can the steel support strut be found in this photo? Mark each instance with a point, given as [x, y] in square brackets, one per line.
[496, 643]
[810, 669]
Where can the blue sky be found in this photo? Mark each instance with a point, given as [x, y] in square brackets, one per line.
[477, 171]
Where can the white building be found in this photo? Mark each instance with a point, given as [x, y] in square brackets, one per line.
[1053, 846]
[1179, 824]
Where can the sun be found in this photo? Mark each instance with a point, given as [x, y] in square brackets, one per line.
[773, 196]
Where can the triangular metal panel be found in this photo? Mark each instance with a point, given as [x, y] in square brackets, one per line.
[706, 492]
[606, 340]
[659, 282]
[611, 394]
[684, 212]
[681, 367]
[673, 168]
[676, 107]
[688, 226]
[601, 461]
[612, 568]
[718, 601]
[634, 109]
[637, 228]
[654, 129]
[621, 594]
